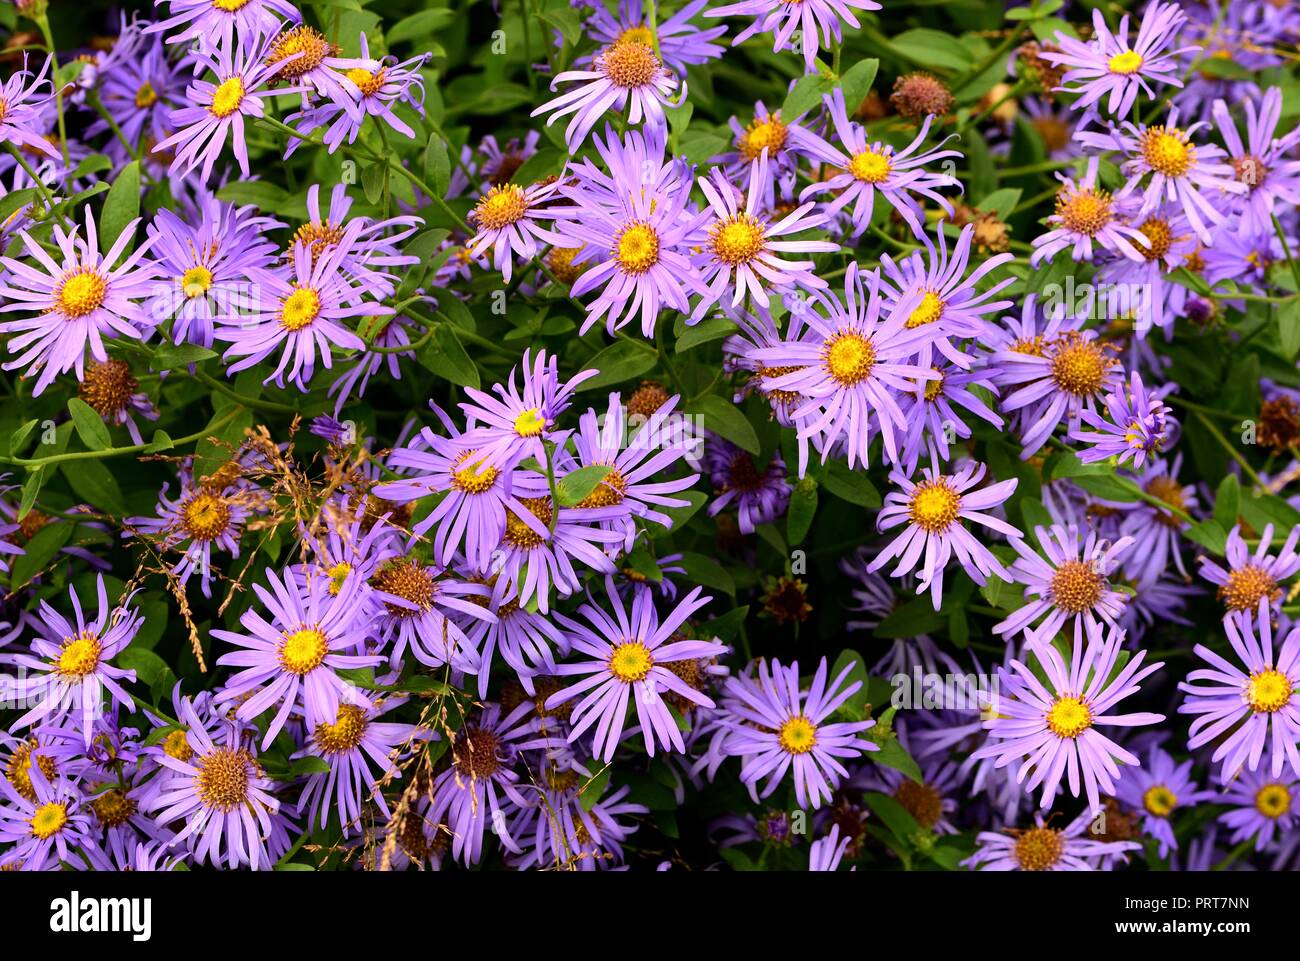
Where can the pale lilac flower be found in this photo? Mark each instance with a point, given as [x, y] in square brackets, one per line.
[814, 20]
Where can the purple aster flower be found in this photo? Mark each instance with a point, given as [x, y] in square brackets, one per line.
[1055, 126]
[624, 75]
[1250, 579]
[1044, 848]
[647, 235]
[68, 671]
[1142, 289]
[214, 259]
[681, 43]
[523, 637]
[21, 99]
[477, 497]
[777, 727]
[942, 301]
[934, 512]
[302, 55]
[221, 792]
[515, 424]
[626, 654]
[72, 304]
[760, 497]
[569, 830]
[742, 250]
[1245, 711]
[1264, 807]
[1179, 169]
[654, 446]
[45, 829]
[508, 218]
[212, 24]
[420, 605]
[1085, 214]
[825, 854]
[381, 84]
[470, 793]
[1070, 584]
[291, 660]
[1108, 67]
[307, 304]
[140, 92]
[217, 110]
[354, 746]
[865, 169]
[1050, 723]
[814, 20]
[934, 413]
[1157, 789]
[1067, 375]
[1262, 162]
[769, 131]
[849, 369]
[207, 513]
[1137, 424]
[1156, 531]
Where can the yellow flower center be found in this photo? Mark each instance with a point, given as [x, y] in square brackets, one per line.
[338, 575]
[1083, 211]
[608, 493]
[798, 735]
[737, 240]
[1159, 234]
[367, 82]
[934, 505]
[344, 734]
[1078, 366]
[934, 388]
[500, 207]
[1268, 690]
[177, 745]
[81, 293]
[1069, 717]
[304, 650]
[530, 423]
[1126, 64]
[1167, 151]
[308, 41]
[223, 778]
[299, 309]
[227, 97]
[929, 310]
[637, 248]
[196, 281]
[1160, 801]
[628, 63]
[760, 135]
[519, 534]
[1247, 586]
[19, 768]
[1076, 587]
[639, 34]
[631, 661]
[1039, 849]
[849, 358]
[474, 478]
[205, 517]
[1273, 801]
[49, 819]
[79, 655]
[870, 166]
[229, 6]
[146, 96]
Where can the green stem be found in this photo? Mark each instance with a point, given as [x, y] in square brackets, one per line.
[269, 406]
[43, 23]
[107, 452]
[43, 190]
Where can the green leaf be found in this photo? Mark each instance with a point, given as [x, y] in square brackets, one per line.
[849, 485]
[900, 823]
[803, 506]
[93, 482]
[917, 616]
[893, 754]
[90, 426]
[1288, 327]
[706, 331]
[804, 95]
[445, 355]
[620, 361]
[437, 165]
[1227, 502]
[855, 706]
[31, 487]
[171, 356]
[39, 551]
[13, 202]
[727, 421]
[422, 24]
[121, 206]
[934, 48]
[574, 487]
[150, 669]
[1001, 202]
[18, 439]
[726, 627]
[309, 765]
[705, 570]
[856, 82]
